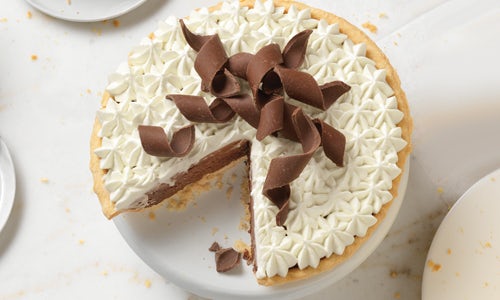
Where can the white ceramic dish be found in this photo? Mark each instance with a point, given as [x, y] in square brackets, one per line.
[85, 10]
[464, 259]
[175, 244]
[7, 184]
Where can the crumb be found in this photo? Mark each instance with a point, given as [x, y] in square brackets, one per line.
[394, 274]
[240, 246]
[67, 210]
[382, 15]
[105, 273]
[229, 192]
[486, 284]
[372, 28]
[3, 20]
[448, 251]
[440, 190]
[395, 43]
[492, 179]
[397, 295]
[68, 2]
[214, 230]
[152, 216]
[487, 245]
[457, 274]
[147, 283]
[81, 242]
[116, 23]
[89, 91]
[34, 57]
[29, 15]
[44, 180]
[435, 267]
[226, 237]
[97, 31]
[151, 35]
[202, 219]
[214, 247]
[398, 34]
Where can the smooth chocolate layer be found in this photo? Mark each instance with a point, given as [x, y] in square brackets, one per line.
[209, 164]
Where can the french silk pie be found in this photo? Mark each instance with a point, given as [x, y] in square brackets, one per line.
[306, 99]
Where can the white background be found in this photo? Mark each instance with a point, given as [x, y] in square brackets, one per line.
[58, 245]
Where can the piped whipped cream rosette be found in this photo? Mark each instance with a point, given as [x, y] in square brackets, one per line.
[332, 206]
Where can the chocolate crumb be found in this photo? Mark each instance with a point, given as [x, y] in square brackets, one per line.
[226, 259]
[215, 247]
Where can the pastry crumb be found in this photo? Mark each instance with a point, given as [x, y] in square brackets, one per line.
[229, 192]
[382, 15]
[493, 179]
[203, 219]
[394, 274]
[44, 180]
[29, 15]
[397, 295]
[152, 216]
[457, 274]
[151, 35]
[3, 20]
[372, 28]
[104, 273]
[440, 190]
[434, 266]
[97, 31]
[116, 23]
[147, 283]
[68, 2]
[214, 230]
[81, 242]
[448, 251]
[89, 91]
[34, 57]
[486, 245]
[486, 284]
[395, 43]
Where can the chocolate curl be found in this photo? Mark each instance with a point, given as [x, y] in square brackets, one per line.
[271, 117]
[302, 87]
[284, 170]
[210, 63]
[196, 109]
[244, 106]
[155, 142]
[260, 64]
[237, 64]
[194, 40]
[295, 50]
[333, 142]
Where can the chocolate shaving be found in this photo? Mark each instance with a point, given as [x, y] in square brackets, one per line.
[194, 40]
[302, 87]
[332, 140]
[295, 50]
[245, 107]
[155, 142]
[260, 64]
[283, 170]
[226, 259]
[195, 109]
[271, 117]
[237, 64]
[214, 247]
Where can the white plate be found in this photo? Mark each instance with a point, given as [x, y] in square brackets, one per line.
[175, 244]
[7, 184]
[464, 259]
[85, 10]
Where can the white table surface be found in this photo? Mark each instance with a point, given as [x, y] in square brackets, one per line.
[58, 245]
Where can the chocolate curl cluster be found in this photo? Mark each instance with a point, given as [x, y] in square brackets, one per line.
[269, 73]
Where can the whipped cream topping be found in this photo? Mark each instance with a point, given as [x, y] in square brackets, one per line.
[329, 205]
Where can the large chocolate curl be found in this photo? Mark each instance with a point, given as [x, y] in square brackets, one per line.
[155, 141]
[210, 64]
[285, 169]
